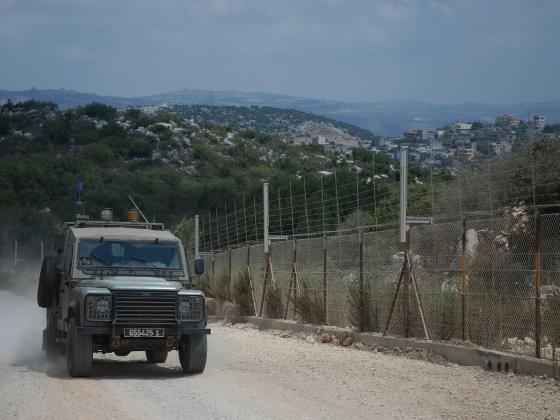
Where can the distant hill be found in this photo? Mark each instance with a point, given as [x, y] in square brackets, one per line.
[286, 123]
[384, 118]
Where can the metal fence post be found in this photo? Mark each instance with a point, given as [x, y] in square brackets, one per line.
[325, 279]
[213, 268]
[406, 289]
[229, 271]
[464, 281]
[361, 268]
[538, 287]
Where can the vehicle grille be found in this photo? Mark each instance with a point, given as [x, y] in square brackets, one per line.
[145, 308]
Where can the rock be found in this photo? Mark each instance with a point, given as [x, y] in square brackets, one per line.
[212, 306]
[529, 341]
[335, 341]
[231, 312]
[347, 341]
[325, 338]
[310, 339]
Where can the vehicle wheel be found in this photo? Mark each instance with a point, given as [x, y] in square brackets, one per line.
[121, 353]
[47, 282]
[50, 346]
[79, 351]
[156, 356]
[193, 352]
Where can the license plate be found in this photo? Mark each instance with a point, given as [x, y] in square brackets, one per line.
[144, 332]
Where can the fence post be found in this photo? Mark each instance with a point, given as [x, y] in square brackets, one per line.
[325, 279]
[538, 287]
[229, 272]
[361, 268]
[406, 289]
[464, 281]
[42, 251]
[213, 268]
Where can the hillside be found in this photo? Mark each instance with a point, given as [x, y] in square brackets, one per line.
[288, 124]
[387, 118]
[171, 165]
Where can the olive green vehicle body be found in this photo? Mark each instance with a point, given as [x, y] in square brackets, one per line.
[140, 301]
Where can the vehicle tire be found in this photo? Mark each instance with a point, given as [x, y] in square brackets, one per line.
[193, 353]
[47, 282]
[156, 356]
[79, 351]
[50, 346]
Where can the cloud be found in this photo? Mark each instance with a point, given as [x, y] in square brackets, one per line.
[442, 50]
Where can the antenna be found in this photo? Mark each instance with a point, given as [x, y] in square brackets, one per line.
[80, 194]
[138, 208]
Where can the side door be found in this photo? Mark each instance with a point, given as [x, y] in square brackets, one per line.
[66, 275]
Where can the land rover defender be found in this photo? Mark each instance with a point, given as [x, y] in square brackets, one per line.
[120, 287]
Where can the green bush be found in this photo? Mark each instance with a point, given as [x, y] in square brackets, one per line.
[220, 288]
[241, 292]
[98, 152]
[309, 308]
[450, 307]
[356, 306]
[552, 318]
[273, 302]
[203, 284]
[140, 148]
[97, 110]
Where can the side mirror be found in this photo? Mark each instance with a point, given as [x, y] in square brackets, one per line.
[199, 266]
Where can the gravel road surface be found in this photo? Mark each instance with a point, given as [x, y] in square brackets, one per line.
[260, 374]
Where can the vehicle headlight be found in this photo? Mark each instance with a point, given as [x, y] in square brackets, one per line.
[98, 307]
[190, 308]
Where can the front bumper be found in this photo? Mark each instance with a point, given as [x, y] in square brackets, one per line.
[117, 331]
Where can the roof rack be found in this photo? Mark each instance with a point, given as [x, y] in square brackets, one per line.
[104, 223]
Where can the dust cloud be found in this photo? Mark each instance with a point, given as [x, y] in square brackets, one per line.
[21, 320]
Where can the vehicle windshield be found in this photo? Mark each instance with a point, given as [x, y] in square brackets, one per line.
[135, 255]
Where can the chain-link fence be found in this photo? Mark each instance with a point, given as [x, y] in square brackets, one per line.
[492, 282]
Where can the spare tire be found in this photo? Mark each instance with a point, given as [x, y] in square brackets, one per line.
[47, 282]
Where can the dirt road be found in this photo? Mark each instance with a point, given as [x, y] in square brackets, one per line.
[256, 374]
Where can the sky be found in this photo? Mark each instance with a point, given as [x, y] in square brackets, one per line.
[440, 51]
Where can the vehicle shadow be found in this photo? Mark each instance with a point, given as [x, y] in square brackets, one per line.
[103, 368]
[133, 369]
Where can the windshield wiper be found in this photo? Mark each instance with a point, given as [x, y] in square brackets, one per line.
[144, 261]
[102, 261]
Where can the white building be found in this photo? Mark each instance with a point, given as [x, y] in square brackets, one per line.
[428, 135]
[539, 122]
[501, 148]
[462, 134]
[320, 140]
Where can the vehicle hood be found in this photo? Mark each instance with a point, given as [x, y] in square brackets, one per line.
[133, 283]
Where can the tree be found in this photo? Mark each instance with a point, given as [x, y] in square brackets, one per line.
[98, 110]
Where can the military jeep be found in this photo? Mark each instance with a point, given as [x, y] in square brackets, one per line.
[120, 287]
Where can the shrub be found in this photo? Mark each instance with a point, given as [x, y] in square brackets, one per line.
[309, 308]
[220, 288]
[450, 306]
[204, 284]
[356, 306]
[552, 318]
[241, 292]
[98, 152]
[273, 302]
